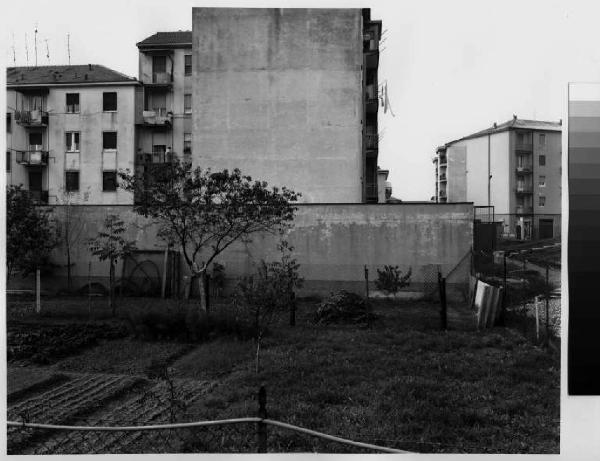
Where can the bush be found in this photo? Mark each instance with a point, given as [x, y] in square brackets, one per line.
[390, 279]
[345, 307]
[179, 323]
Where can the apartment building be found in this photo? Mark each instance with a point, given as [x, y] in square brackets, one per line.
[514, 167]
[69, 130]
[164, 101]
[289, 96]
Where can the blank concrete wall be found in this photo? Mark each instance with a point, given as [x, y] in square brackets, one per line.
[333, 243]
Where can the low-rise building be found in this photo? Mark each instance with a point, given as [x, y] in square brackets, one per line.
[70, 129]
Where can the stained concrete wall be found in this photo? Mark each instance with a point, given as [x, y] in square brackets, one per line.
[332, 243]
[278, 94]
[90, 122]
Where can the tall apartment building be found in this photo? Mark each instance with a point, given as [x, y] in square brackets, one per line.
[69, 130]
[164, 101]
[514, 167]
[288, 96]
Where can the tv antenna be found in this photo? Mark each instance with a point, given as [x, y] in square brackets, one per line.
[35, 42]
[47, 50]
[13, 49]
[69, 47]
[26, 50]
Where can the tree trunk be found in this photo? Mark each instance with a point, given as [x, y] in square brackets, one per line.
[111, 282]
[202, 287]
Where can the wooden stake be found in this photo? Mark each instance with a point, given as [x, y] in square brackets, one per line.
[38, 304]
[164, 277]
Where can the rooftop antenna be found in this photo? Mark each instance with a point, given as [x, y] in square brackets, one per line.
[69, 47]
[35, 43]
[26, 50]
[47, 50]
[14, 52]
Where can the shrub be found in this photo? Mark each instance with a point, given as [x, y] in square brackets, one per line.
[390, 279]
[345, 307]
[179, 323]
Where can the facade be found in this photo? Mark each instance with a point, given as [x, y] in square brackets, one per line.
[289, 96]
[69, 130]
[163, 102]
[514, 167]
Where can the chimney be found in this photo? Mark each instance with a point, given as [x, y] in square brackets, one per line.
[514, 117]
[495, 125]
[560, 122]
[89, 66]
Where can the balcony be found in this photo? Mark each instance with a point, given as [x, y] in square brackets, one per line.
[35, 156]
[40, 197]
[524, 189]
[525, 169]
[524, 147]
[524, 210]
[155, 158]
[160, 81]
[370, 42]
[157, 117]
[31, 118]
[443, 177]
[372, 140]
[442, 194]
[443, 161]
[372, 193]
[371, 98]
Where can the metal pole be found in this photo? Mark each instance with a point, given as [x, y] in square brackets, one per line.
[367, 296]
[537, 319]
[547, 305]
[38, 304]
[262, 413]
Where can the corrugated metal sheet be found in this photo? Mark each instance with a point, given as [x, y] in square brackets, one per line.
[487, 304]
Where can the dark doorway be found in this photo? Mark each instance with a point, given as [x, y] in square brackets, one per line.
[546, 229]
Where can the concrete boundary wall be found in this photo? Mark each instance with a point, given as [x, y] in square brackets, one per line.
[333, 243]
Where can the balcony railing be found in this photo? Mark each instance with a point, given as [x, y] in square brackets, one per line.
[33, 157]
[442, 177]
[525, 169]
[524, 189]
[521, 209]
[442, 193]
[39, 196]
[524, 147]
[370, 42]
[31, 117]
[372, 141]
[161, 78]
[159, 117]
[153, 158]
[372, 192]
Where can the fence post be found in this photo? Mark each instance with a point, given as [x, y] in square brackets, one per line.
[90, 288]
[547, 306]
[501, 320]
[262, 413]
[38, 303]
[537, 319]
[443, 307]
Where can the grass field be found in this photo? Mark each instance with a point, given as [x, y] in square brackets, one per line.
[400, 383]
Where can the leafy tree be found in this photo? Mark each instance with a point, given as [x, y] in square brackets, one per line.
[204, 212]
[110, 245]
[29, 234]
[269, 292]
[390, 279]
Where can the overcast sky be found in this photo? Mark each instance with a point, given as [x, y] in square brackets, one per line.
[452, 67]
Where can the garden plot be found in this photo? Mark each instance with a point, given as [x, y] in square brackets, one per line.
[159, 404]
[62, 404]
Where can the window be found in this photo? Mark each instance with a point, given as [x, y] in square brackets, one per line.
[8, 122]
[542, 160]
[72, 181]
[187, 143]
[188, 64]
[542, 181]
[159, 64]
[35, 139]
[72, 141]
[72, 103]
[109, 140]
[109, 181]
[542, 139]
[109, 102]
[8, 161]
[542, 201]
[187, 103]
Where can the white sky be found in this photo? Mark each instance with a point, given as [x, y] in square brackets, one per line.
[452, 67]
